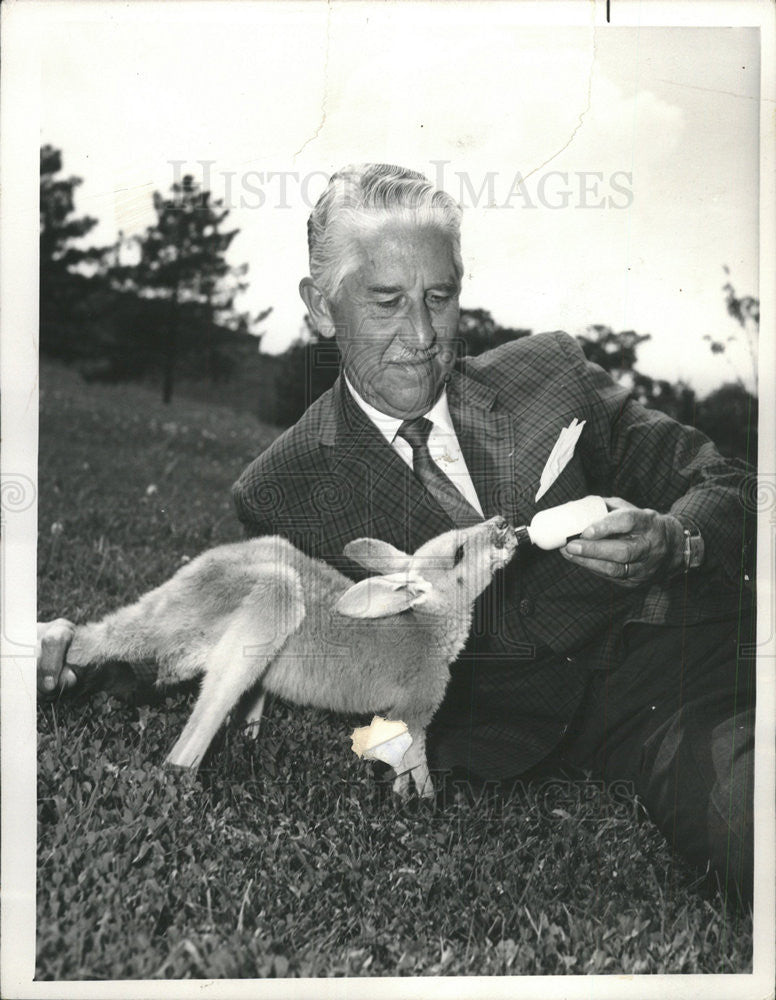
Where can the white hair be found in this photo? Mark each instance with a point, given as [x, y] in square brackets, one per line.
[358, 200]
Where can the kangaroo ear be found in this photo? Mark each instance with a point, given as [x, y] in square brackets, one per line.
[380, 596]
[380, 557]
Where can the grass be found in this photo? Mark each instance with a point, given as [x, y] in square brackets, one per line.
[284, 857]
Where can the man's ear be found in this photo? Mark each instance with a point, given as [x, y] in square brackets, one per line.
[317, 307]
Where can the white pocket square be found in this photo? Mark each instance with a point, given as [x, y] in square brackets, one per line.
[560, 455]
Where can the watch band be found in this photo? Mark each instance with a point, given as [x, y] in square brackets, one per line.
[694, 549]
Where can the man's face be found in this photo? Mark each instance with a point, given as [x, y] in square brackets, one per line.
[396, 319]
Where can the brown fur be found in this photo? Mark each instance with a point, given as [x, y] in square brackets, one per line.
[260, 615]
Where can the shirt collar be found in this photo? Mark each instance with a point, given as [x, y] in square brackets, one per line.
[439, 415]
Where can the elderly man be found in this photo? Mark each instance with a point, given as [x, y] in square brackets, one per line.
[619, 654]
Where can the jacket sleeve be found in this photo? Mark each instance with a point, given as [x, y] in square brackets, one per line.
[248, 496]
[656, 462]
[274, 498]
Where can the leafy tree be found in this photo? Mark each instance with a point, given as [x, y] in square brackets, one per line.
[745, 310]
[617, 354]
[677, 399]
[57, 204]
[182, 269]
[70, 294]
[306, 369]
[479, 332]
[729, 416]
[614, 352]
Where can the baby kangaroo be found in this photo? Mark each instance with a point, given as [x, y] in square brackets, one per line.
[260, 616]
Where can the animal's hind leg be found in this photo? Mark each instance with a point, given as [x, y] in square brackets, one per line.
[137, 632]
[255, 633]
[119, 636]
[235, 664]
[253, 714]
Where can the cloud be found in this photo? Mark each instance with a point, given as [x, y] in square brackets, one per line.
[477, 104]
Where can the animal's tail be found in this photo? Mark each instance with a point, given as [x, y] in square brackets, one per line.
[235, 664]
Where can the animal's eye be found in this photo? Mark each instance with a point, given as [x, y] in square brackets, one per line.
[458, 555]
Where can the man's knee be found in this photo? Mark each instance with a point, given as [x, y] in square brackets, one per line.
[697, 783]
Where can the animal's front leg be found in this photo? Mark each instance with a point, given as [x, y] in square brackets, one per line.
[414, 764]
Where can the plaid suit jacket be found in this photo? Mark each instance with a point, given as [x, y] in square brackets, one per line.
[332, 478]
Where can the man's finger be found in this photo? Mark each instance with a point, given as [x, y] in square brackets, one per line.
[619, 522]
[67, 679]
[611, 569]
[609, 550]
[617, 503]
[54, 640]
[56, 623]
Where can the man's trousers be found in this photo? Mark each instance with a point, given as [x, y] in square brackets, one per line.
[672, 715]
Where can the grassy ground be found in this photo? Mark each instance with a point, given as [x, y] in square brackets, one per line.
[284, 857]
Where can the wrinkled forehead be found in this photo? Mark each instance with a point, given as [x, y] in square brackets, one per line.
[401, 255]
[397, 247]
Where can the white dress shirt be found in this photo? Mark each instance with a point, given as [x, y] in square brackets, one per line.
[442, 442]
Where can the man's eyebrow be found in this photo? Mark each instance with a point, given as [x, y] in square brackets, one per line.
[445, 286]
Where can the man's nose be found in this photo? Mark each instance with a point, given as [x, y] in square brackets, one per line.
[419, 330]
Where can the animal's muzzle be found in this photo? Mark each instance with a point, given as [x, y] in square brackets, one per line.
[503, 533]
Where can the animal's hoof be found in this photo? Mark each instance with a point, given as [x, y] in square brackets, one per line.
[184, 759]
[175, 766]
[425, 787]
[401, 785]
[251, 730]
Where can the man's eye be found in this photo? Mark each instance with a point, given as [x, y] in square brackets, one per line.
[438, 301]
[388, 304]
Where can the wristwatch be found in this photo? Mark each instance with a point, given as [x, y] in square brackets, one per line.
[694, 549]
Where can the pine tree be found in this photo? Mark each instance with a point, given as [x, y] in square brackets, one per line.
[67, 272]
[182, 266]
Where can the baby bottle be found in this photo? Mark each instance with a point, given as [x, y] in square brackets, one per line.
[552, 528]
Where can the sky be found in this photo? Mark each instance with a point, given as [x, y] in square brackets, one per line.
[606, 174]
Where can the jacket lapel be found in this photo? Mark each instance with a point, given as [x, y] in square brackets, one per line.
[388, 501]
[486, 434]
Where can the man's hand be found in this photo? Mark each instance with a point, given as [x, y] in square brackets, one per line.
[54, 640]
[630, 546]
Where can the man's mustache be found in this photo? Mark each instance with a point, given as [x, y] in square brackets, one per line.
[417, 355]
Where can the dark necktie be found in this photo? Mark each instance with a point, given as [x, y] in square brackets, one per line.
[440, 486]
